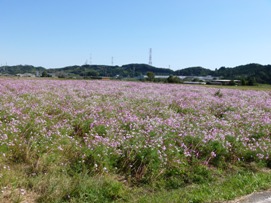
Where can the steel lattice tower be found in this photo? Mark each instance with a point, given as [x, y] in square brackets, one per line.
[150, 57]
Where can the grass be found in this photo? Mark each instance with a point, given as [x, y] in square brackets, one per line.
[59, 186]
[228, 188]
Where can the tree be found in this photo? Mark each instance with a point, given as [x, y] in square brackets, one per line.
[44, 74]
[232, 83]
[150, 76]
[243, 82]
[92, 73]
[251, 81]
[173, 79]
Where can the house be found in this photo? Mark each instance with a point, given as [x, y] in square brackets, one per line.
[26, 75]
[194, 83]
[224, 82]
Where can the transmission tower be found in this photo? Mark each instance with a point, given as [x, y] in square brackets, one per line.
[150, 57]
[5, 66]
[112, 61]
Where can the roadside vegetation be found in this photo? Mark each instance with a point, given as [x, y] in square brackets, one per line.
[112, 141]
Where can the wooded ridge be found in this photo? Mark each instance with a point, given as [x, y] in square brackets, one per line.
[260, 73]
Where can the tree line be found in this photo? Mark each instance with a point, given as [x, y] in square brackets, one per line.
[247, 73]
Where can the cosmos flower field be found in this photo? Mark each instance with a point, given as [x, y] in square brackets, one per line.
[140, 132]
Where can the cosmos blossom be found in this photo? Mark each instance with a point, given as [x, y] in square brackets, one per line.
[134, 116]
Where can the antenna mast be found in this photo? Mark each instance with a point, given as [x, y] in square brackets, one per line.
[150, 57]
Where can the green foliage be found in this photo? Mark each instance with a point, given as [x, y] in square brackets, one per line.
[142, 69]
[251, 81]
[198, 174]
[19, 69]
[150, 76]
[103, 189]
[79, 188]
[45, 74]
[218, 93]
[80, 128]
[140, 167]
[250, 73]
[221, 154]
[175, 177]
[235, 184]
[92, 73]
[173, 79]
[232, 83]
[194, 71]
[130, 70]
[101, 130]
[178, 109]
[243, 82]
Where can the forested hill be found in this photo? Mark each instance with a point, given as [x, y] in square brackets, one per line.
[261, 73]
[130, 70]
[194, 71]
[13, 70]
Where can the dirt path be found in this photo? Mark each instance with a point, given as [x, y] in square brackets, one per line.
[257, 197]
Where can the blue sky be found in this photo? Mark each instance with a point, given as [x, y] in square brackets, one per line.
[181, 33]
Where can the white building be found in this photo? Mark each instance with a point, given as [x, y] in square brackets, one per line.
[26, 75]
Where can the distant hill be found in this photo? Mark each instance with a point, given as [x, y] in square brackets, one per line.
[253, 71]
[194, 71]
[259, 73]
[142, 69]
[130, 70]
[13, 70]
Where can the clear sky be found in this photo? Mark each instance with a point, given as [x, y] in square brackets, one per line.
[181, 33]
